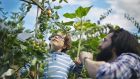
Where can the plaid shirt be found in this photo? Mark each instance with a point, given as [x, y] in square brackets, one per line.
[126, 65]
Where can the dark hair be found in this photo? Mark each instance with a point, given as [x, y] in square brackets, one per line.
[67, 42]
[124, 42]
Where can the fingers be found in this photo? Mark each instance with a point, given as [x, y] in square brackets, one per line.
[77, 60]
[84, 54]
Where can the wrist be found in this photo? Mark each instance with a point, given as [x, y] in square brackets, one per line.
[85, 58]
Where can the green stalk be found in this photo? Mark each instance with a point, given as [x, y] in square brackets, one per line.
[80, 40]
[37, 70]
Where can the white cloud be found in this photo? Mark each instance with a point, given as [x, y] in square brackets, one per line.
[118, 19]
[81, 2]
[30, 18]
[120, 7]
[32, 12]
[84, 3]
[94, 13]
[129, 6]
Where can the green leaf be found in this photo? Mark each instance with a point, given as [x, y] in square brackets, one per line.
[117, 27]
[86, 9]
[88, 25]
[23, 47]
[70, 15]
[40, 36]
[57, 7]
[80, 12]
[102, 35]
[60, 1]
[69, 23]
[66, 1]
[56, 16]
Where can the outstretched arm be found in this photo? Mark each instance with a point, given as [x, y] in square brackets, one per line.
[121, 68]
[92, 66]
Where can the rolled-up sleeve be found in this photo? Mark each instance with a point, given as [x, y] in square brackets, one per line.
[76, 68]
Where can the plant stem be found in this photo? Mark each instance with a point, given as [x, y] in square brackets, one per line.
[79, 44]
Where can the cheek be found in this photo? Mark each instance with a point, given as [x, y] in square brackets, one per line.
[105, 45]
[61, 44]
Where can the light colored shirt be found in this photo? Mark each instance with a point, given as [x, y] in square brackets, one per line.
[58, 66]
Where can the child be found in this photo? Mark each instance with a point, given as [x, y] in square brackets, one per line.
[59, 64]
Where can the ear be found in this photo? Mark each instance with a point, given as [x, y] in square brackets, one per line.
[64, 47]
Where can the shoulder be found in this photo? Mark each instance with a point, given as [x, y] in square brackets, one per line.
[66, 56]
[128, 58]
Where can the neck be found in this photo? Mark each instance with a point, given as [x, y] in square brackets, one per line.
[114, 57]
[56, 50]
[59, 50]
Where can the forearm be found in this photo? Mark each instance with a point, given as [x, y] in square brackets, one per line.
[92, 66]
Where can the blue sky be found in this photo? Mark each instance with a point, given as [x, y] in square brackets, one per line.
[10, 5]
[99, 7]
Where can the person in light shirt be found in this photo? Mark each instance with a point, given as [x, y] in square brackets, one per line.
[59, 62]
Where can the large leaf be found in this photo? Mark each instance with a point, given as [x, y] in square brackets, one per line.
[86, 9]
[80, 12]
[70, 15]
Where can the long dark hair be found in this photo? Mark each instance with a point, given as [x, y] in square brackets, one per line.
[124, 42]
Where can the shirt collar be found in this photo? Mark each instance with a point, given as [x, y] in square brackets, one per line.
[54, 52]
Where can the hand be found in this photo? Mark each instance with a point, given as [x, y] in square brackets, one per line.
[84, 54]
[77, 61]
